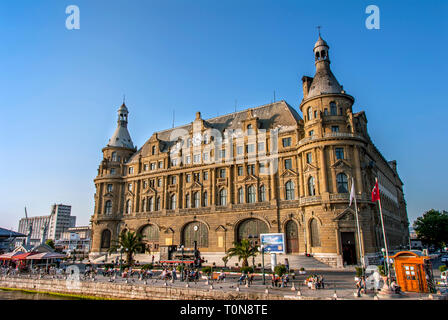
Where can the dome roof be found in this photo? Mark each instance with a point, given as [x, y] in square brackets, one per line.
[320, 42]
[121, 138]
[123, 108]
[324, 82]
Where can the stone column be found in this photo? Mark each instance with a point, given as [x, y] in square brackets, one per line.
[333, 173]
[300, 171]
[323, 168]
[359, 186]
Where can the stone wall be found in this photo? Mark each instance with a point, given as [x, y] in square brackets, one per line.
[129, 291]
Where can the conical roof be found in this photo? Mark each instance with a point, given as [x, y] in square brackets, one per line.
[324, 82]
[121, 138]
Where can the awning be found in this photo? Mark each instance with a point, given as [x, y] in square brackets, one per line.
[9, 255]
[46, 255]
[23, 256]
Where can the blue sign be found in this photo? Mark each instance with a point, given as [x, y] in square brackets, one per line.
[273, 242]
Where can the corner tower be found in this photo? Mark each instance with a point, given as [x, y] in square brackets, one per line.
[109, 185]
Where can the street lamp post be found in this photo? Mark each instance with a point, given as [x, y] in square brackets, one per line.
[262, 263]
[385, 263]
[121, 260]
[183, 264]
[252, 242]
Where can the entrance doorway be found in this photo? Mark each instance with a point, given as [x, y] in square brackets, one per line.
[348, 248]
[412, 278]
[292, 237]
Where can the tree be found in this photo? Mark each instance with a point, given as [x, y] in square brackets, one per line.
[432, 228]
[50, 243]
[225, 259]
[131, 243]
[243, 250]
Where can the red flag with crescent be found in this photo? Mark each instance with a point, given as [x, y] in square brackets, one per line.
[375, 192]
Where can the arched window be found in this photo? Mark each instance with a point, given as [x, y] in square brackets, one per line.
[310, 113]
[223, 197]
[251, 229]
[205, 195]
[151, 204]
[197, 200]
[311, 187]
[240, 195]
[187, 200]
[153, 151]
[289, 186]
[342, 182]
[333, 110]
[173, 202]
[315, 233]
[158, 206]
[150, 233]
[128, 206]
[262, 197]
[105, 239]
[114, 156]
[195, 232]
[251, 194]
[108, 207]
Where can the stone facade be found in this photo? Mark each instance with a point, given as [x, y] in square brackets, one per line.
[262, 170]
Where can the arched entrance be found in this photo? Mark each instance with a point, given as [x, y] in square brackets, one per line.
[105, 239]
[150, 235]
[251, 229]
[195, 231]
[292, 237]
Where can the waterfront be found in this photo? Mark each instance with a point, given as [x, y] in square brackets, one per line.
[22, 295]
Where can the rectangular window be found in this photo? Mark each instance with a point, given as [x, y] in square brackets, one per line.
[205, 156]
[145, 184]
[288, 164]
[153, 166]
[145, 167]
[222, 173]
[334, 128]
[197, 176]
[239, 150]
[160, 164]
[173, 179]
[240, 170]
[205, 175]
[262, 168]
[188, 177]
[188, 159]
[159, 182]
[251, 169]
[250, 148]
[151, 183]
[311, 133]
[197, 158]
[109, 188]
[286, 142]
[339, 153]
[131, 170]
[222, 154]
[130, 186]
[112, 171]
[309, 157]
[260, 146]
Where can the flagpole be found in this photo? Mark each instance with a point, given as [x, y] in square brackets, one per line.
[384, 236]
[361, 250]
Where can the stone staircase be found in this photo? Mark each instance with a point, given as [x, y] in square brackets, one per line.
[301, 261]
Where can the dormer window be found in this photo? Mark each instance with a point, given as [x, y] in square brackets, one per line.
[131, 170]
[250, 129]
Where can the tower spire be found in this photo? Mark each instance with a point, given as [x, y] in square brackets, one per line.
[121, 136]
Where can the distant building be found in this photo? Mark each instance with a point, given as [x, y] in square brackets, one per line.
[56, 223]
[75, 238]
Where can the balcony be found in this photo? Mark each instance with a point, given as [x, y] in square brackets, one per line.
[308, 200]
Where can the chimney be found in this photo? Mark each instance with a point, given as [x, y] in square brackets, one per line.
[306, 84]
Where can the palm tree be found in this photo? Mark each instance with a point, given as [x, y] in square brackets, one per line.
[131, 242]
[243, 250]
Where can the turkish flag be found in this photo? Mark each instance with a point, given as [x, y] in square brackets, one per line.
[376, 192]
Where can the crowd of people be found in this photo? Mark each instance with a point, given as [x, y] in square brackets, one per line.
[315, 282]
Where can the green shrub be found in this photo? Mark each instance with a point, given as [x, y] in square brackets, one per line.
[207, 270]
[280, 270]
[382, 271]
[302, 269]
[147, 266]
[247, 270]
[359, 271]
[443, 268]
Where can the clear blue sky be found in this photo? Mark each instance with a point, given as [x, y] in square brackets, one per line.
[60, 89]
